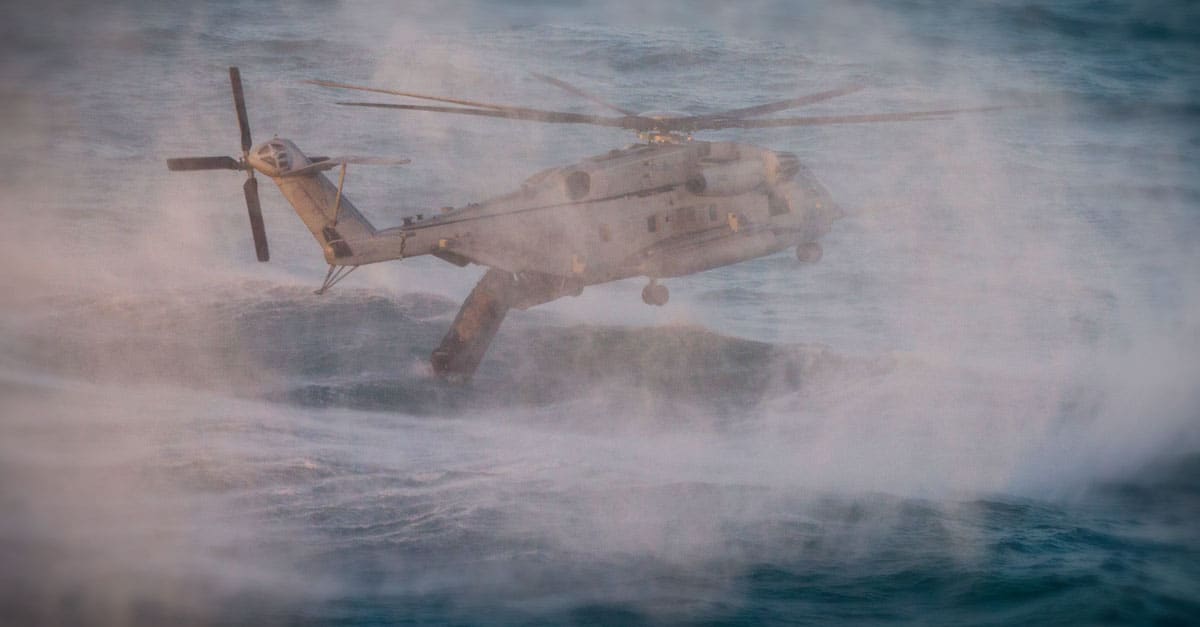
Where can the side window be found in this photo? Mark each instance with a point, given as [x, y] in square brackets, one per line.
[652, 224]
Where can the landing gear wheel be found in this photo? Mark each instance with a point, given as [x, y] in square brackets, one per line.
[808, 253]
[655, 294]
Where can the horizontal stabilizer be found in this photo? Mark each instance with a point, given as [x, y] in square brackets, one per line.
[333, 162]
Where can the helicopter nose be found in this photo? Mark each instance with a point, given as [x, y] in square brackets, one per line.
[815, 206]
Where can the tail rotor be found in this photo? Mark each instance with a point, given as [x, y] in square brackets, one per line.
[250, 187]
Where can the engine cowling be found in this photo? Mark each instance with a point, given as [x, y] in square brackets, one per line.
[728, 178]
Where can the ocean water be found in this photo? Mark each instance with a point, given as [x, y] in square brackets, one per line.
[980, 407]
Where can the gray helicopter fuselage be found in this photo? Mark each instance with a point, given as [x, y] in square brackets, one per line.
[655, 210]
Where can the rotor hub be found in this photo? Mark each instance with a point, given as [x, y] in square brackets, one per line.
[664, 137]
[276, 157]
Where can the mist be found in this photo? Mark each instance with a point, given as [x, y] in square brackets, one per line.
[1008, 311]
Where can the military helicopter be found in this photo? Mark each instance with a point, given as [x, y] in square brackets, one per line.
[666, 206]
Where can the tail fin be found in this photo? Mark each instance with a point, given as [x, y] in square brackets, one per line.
[329, 215]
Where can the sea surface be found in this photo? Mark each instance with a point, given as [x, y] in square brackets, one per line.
[981, 407]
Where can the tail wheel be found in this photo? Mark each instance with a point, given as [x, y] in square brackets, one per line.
[655, 294]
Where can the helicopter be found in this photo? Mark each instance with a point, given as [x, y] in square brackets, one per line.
[666, 206]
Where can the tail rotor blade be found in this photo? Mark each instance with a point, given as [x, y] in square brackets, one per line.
[250, 188]
[239, 103]
[183, 164]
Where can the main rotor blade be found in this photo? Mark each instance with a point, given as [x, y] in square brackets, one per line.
[239, 103]
[457, 101]
[182, 164]
[571, 89]
[250, 189]
[911, 116]
[632, 122]
[781, 105]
